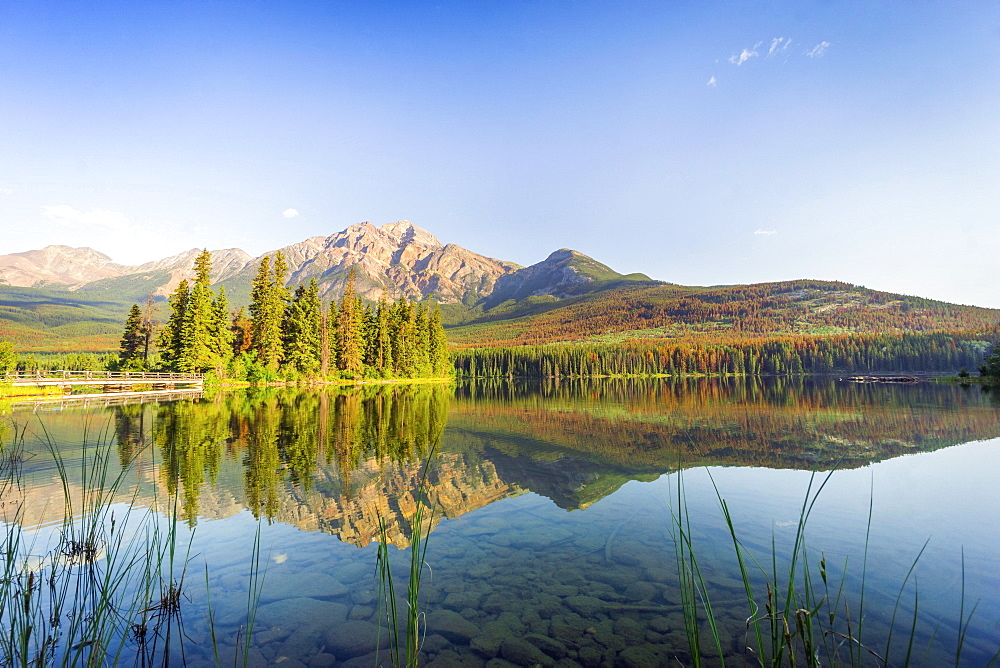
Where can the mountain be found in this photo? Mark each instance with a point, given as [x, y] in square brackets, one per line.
[62, 298]
[564, 273]
[57, 264]
[393, 260]
[79, 268]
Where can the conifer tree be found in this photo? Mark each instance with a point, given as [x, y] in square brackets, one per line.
[421, 340]
[148, 326]
[8, 358]
[402, 337]
[131, 347]
[170, 341]
[204, 333]
[302, 329]
[267, 310]
[437, 345]
[221, 335]
[328, 339]
[350, 347]
[378, 355]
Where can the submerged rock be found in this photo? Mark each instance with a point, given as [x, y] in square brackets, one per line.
[523, 653]
[279, 585]
[452, 626]
[355, 638]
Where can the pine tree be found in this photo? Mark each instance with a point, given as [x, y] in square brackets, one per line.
[204, 341]
[350, 346]
[131, 347]
[221, 334]
[148, 327]
[402, 337]
[437, 346]
[170, 341]
[267, 310]
[421, 340]
[8, 358]
[378, 352]
[302, 330]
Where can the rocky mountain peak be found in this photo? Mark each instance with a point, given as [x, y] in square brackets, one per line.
[56, 264]
[406, 232]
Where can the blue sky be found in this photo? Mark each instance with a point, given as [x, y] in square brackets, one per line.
[698, 142]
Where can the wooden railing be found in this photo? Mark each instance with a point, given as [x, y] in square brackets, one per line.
[133, 376]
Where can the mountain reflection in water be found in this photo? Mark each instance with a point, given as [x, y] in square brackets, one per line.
[334, 460]
[508, 461]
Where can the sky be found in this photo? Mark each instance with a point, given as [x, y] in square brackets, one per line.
[700, 143]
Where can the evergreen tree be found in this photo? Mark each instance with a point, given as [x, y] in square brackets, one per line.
[327, 343]
[267, 310]
[350, 347]
[437, 346]
[131, 347]
[990, 367]
[170, 341]
[8, 358]
[421, 340]
[402, 338]
[378, 352]
[148, 327]
[221, 334]
[205, 343]
[302, 330]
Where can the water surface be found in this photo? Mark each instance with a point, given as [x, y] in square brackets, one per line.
[552, 504]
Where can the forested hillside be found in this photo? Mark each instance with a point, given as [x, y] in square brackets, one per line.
[714, 315]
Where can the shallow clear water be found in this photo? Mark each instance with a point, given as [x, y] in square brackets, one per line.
[553, 538]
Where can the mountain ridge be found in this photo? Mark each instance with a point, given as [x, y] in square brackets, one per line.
[62, 298]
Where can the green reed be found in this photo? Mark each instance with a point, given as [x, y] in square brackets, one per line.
[405, 638]
[107, 585]
[797, 619]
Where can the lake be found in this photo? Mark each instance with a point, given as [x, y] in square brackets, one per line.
[553, 510]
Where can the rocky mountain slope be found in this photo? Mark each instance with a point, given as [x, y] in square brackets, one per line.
[69, 299]
[393, 260]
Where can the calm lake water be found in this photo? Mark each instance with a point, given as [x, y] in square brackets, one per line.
[552, 538]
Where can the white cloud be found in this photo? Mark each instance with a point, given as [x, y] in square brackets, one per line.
[745, 55]
[712, 83]
[290, 213]
[6, 191]
[818, 50]
[766, 233]
[779, 45]
[64, 214]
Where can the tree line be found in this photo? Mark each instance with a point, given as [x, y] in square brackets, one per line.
[882, 353]
[286, 333]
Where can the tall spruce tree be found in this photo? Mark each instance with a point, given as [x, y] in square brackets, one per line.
[170, 341]
[267, 310]
[148, 326]
[378, 349]
[302, 330]
[131, 347]
[402, 338]
[204, 335]
[437, 346]
[350, 347]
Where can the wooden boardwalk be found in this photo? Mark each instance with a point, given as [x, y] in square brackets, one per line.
[106, 379]
[103, 400]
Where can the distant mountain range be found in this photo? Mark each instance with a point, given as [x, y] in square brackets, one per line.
[62, 298]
